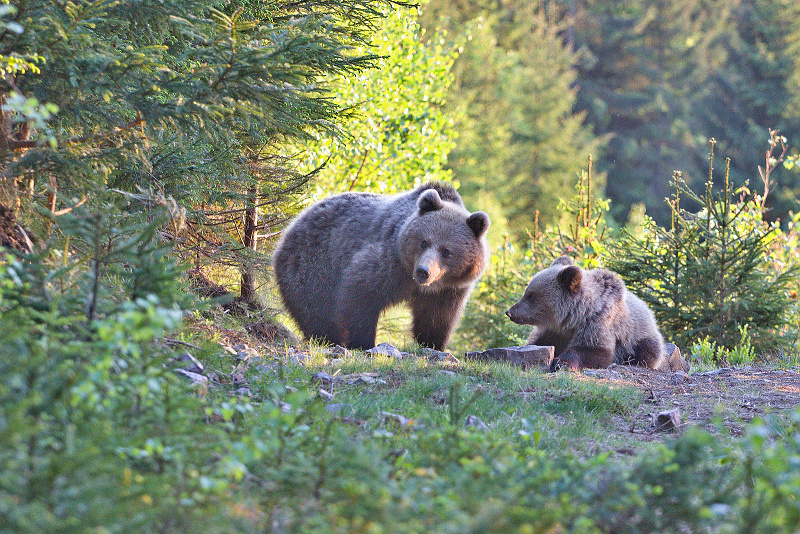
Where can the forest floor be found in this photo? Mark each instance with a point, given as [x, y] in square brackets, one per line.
[722, 401]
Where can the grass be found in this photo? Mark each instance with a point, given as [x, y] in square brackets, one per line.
[397, 455]
[567, 411]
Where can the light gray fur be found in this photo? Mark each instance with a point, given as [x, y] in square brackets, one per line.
[589, 315]
[348, 257]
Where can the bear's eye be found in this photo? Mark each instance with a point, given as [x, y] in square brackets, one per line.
[424, 244]
[444, 253]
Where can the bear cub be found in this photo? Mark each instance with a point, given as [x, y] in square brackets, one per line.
[348, 257]
[589, 317]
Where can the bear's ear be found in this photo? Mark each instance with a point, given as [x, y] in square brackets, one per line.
[562, 260]
[479, 222]
[429, 201]
[570, 278]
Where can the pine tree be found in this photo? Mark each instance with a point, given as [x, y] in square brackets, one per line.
[180, 99]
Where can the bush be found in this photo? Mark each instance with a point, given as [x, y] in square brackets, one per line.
[711, 272]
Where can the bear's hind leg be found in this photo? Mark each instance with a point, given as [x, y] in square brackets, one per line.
[649, 352]
[577, 358]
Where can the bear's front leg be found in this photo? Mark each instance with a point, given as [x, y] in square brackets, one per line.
[368, 287]
[436, 315]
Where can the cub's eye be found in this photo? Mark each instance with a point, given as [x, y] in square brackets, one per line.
[444, 253]
[424, 244]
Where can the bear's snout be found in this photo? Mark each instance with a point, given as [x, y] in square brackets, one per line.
[428, 269]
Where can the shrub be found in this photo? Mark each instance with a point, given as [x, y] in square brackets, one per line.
[711, 272]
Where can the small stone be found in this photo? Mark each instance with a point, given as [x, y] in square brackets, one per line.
[438, 355]
[475, 422]
[446, 372]
[196, 378]
[674, 361]
[525, 356]
[387, 350]
[189, 363]
[322, 377]
[679, 377]
[401, 420]
[337, 350]
[244, 392]
[325, 395]
[337, 362]
[668, 421]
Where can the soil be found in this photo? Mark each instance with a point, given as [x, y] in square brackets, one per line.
[720, 401]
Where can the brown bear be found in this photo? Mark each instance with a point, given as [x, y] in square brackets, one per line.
[348, 257]
[590, 318]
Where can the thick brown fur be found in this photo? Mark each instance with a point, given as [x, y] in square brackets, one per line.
[589, 317]
[347, 258]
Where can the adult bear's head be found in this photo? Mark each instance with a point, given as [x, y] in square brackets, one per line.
[442, 244]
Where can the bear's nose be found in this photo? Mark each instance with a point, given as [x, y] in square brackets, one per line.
[421, 274]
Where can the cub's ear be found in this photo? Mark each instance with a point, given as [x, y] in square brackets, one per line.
[479, 222]
[562, 260]
[429, 201]
[570, 278]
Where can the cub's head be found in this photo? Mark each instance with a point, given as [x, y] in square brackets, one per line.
[546, 300]
[444, 245]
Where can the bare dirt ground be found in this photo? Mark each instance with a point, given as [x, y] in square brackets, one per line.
[723, 400]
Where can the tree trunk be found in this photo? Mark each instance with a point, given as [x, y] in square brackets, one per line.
[248, 284]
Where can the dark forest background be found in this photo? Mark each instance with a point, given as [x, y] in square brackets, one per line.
[641, 85]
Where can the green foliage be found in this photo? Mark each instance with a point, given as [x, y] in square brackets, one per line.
[398, 134]
[711, 273]
[96, 433]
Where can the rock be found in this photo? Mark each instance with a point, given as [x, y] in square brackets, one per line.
[244, 392]
[387, 350]
[189, 363]
[668, 421]
[678, 377]
[525, 356]
[475, 422]
[446, 372]
[325, 395]
[401, 420]
[438, 356]
[337, 350]
[674, 361]
[243, 352]
[322, 377]
[608, 374]
[196, 378]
